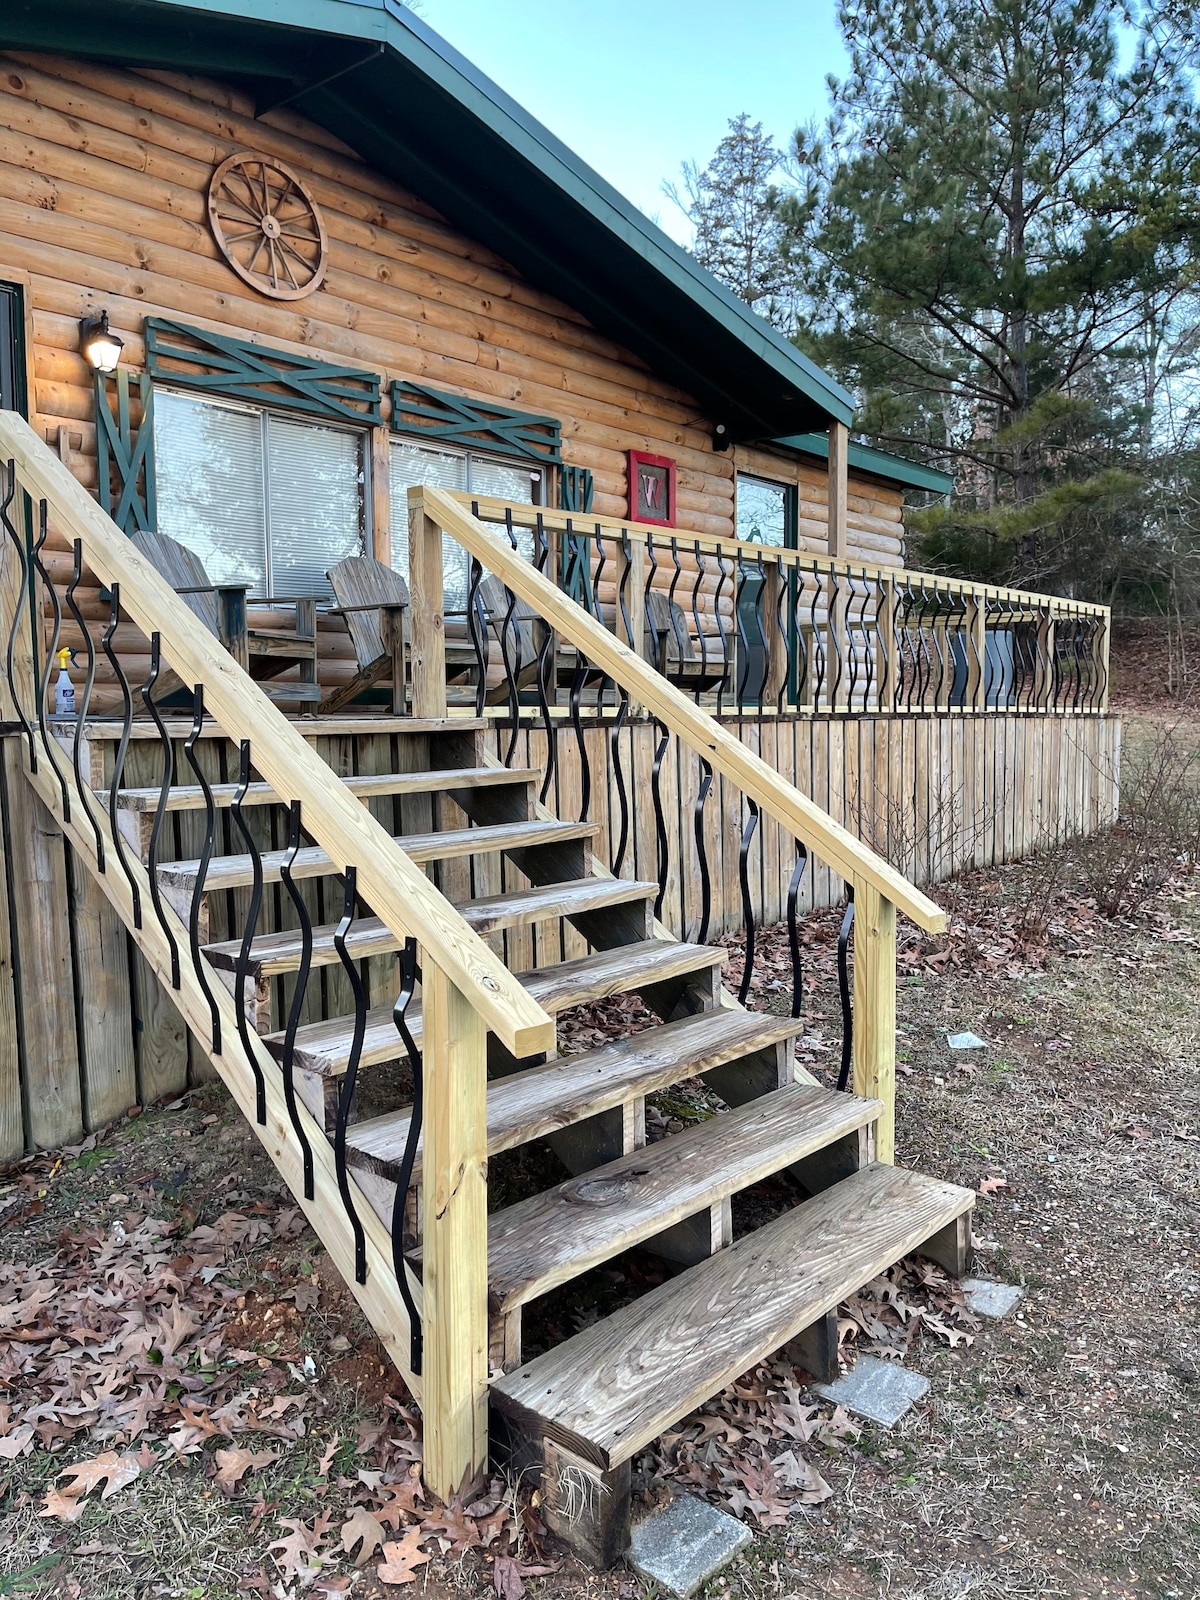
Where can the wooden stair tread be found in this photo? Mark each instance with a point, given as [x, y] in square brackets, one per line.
[610, 1390]
[190, 797]
[275, 953]
[324, 1047]
[552, 1237]
[528, 1105]
[235, 872]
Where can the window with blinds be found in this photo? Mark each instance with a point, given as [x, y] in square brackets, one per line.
[262, 499]
[474, 474]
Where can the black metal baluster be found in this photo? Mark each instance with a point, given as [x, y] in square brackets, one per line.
[546, 667]
[408, 983]
[793, 923]
[86, 798]
[835, 637]
[722, 574]
[619, 775]
[118, 772]
[674, 612]
[706, 779]
[760, 597]
[739, 591]
[651, 626]
[843, 965]
[851, 640]
[881, 656]
[299, 993]
[924, 662]
[701, 636]
[818, 640]
[10, 527]
[802, 662]
[477, 629]
[42, 678]
[164, 794]
[350, 1079]
[210, 830]
[1077, 645]
[242, 970]
[660, 823]
[782, 611]
[747, 905]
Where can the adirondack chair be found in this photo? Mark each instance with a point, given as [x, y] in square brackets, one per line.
[263, 652]
[372, 598]
[519, 637]
[673, 650]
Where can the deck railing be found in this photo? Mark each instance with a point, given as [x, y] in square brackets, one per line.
[750, 628]
[436, 1330]
[538, 627]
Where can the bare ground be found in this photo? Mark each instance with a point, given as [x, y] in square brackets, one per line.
[1057, 1454]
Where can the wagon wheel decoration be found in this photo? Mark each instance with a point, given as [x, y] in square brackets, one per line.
[267, 226]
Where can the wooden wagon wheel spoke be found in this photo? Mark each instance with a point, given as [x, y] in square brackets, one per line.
[267, 226]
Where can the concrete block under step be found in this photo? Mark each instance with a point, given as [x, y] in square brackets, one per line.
[685, 1544]
[881, 1391]
[990, 1299]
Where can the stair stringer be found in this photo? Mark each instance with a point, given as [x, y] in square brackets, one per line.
[379, 1297]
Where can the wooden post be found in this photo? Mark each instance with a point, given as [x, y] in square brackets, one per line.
[875, 1010]
[637, 596]
[428, 618]
[975, 698]
[839, 444]
[381, 495]
[454, 1194]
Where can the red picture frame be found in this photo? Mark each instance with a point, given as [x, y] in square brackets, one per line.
[651, 489]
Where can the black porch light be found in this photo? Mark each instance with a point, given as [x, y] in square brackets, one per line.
[100, 347]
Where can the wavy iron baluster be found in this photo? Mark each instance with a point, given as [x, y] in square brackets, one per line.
[835, 639]
[197, 901]
[782, 610]
[350, 1078]
[164, 794]
[10, 527]
[619, 775]
[701, 634]
[747, 906]
[42, 678]
[118, 772]
[546, 666]
[408, 983]
[793, 897]
[242, 970]
[739, 591]
[818, 639]
[86, 798]
[299, 993]
[843, 965]
[706, 779]
[722, 574]
[477, 628]
[660, 824]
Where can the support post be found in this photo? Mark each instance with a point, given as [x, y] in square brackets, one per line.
[975, 698]
[454, 1196]
[875, 1010]
[428, 614]
[839, 445]
[636, 639]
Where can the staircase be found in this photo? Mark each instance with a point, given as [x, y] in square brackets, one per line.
[286, 958]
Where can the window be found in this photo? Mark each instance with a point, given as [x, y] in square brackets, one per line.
[766, 512]
[12, 348]
[263, 499]
[453, 469]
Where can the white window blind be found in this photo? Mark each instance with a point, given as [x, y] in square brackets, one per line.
[262, 499]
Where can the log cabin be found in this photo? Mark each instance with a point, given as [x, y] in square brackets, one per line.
[432, 603]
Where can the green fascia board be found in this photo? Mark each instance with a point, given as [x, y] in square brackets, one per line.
[493, 170]
[879, 463]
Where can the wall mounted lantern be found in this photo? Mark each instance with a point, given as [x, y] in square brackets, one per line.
[100, 347]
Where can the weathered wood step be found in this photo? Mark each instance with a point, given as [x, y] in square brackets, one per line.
[190, 797]
[552, 1237]
[610, 1390]
[235, 872]
[276, 953]
[324, 1047]
[528, 1105]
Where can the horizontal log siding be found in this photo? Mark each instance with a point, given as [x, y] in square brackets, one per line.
[103, 183]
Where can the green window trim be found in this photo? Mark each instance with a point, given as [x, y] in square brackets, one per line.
[442, 418]
[577, 489]
[235, 369]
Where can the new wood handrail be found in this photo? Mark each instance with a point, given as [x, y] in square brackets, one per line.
[396, 889]
[702, 733]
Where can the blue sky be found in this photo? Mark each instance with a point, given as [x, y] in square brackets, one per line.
[638, 86]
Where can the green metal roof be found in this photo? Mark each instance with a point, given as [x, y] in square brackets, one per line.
[380, 79]
[881, 463]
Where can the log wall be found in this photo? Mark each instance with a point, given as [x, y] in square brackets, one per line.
[86, 1031]
[104, 175]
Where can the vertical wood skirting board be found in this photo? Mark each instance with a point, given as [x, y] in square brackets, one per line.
[102, 973]
[12, 1111]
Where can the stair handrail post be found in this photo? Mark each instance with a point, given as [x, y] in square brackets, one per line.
[427, 589]
[874, 1071]
[454, 1252]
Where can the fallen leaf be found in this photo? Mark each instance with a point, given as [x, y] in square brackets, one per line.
[63, 1506]
[233, 1465]
[990, 1185]
[508, 1575]
[362, 1527]
[401, 1558]
[112, 1470]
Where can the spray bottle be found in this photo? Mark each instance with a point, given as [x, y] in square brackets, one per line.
[64, 689]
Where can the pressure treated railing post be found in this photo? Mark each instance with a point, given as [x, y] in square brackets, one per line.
[454, 1277]
[975, 696]
[428, 657]
[875, 1009]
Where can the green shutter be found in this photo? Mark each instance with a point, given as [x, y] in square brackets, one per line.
[125, 450]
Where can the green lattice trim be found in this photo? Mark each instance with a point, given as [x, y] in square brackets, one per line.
[125, 451]
[236, 370]
[453, 419]
[577, 489]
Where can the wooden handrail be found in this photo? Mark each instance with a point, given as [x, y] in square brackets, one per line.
[793, 810]
[397, 890]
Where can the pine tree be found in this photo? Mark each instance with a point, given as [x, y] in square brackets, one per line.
[733, 206]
